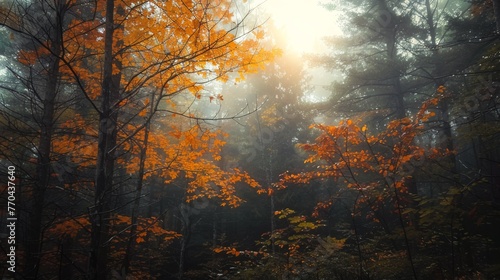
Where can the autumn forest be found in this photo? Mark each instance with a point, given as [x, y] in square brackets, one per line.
[190, 139]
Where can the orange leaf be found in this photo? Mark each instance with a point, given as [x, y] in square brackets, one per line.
[139, 240]
[218, 250]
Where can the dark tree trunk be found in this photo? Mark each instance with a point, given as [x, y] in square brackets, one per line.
[186, 237]
[66, 258]
[496, 7]
[438, 82]
[43, 168]
[389, 30]
[108, 118]
[135, 209]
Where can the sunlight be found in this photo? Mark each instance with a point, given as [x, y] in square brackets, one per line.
[304, 23]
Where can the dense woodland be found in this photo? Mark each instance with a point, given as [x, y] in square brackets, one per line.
[178, 139]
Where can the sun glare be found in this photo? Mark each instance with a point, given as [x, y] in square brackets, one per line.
[304, 23]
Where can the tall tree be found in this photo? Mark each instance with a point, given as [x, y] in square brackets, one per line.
[41, 26]
[373, 63]
[108, 120]
[174, 62]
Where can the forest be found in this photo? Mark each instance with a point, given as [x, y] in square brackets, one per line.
[186, 139]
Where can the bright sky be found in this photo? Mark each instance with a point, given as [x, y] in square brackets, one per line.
[304, 23]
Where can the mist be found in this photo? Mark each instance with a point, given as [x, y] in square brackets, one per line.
[249, 140]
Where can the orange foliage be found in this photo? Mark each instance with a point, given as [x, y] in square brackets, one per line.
[70, 227]
[75, 143]
[146, 227]
[233, 251]
[163, 45]
[169, 49]
[193, 154]
[374, 165]
[172, 152]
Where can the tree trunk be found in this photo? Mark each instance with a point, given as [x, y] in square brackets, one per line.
[66, 257]
[135, 209]
[438, 82]
[389, 31]
[186, 237]
[108, 118]
[43, 169]
[496, 7]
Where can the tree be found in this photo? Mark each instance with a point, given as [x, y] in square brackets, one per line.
[110, 54]
[373, 63]
[42, 36]
[347, 153]
[216, 43]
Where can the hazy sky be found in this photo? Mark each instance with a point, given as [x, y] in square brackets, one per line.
[304, 22]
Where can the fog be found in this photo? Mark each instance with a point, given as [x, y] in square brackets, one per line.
[245, 139]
